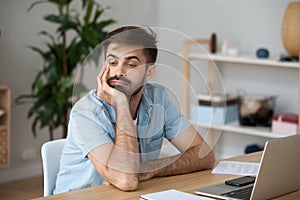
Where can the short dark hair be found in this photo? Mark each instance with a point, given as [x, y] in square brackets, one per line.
[133, 35]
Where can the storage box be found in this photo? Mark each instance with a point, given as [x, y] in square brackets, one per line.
[214, 114]
[285, 124]
[215, 109]
[217, 100]
[256, 109]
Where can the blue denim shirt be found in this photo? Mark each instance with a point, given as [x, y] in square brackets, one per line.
[92, 123]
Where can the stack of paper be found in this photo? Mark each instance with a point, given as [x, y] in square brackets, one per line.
[236, 168]
[173, 195]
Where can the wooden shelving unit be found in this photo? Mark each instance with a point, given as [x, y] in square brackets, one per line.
[242, 59]
[5, 97]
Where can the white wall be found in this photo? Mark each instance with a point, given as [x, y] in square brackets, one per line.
[248, 24]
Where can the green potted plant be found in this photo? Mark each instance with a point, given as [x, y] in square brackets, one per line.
[52, 89]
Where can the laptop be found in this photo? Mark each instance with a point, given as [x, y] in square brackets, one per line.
[279, 173]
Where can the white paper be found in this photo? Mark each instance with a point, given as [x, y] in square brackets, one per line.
[173, 195]
[236, 168]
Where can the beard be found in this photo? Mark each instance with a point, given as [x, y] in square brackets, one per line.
[121, 88]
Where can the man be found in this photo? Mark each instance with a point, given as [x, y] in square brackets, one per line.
[115, 133]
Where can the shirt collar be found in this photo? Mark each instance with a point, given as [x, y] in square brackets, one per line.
[111, 111]
[109, 108]
[144, 109]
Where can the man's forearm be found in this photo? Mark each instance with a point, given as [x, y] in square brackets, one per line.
[124, 157]
[186, 162]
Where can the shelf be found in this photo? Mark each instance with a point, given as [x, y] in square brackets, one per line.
[245, 130]
[243, 59]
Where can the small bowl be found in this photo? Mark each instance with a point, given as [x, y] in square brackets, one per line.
[262, 53]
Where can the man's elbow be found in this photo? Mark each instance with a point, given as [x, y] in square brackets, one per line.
[128, 183]
[210, 160]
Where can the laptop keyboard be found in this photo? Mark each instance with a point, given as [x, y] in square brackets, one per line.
[243, 193]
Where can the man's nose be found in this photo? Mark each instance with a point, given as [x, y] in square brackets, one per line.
[120, 70]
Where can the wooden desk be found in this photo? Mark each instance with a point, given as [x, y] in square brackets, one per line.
[187, 183]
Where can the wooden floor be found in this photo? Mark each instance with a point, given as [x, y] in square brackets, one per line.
[22, 189]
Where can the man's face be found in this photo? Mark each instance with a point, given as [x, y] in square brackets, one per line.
[127, 68]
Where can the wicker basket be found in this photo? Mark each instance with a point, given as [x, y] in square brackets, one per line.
[3, 148]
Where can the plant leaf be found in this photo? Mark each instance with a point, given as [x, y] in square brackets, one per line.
[88, 12]
[36, 3]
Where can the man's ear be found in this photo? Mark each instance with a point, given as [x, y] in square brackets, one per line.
[150, 72]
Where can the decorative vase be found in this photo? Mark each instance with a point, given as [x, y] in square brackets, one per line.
[290, 30]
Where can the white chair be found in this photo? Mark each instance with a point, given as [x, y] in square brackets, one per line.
[51, 153]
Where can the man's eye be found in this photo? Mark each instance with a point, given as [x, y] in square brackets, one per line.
[131, 65]
[112, 63]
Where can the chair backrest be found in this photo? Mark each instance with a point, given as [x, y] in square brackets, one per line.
[51, 153]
